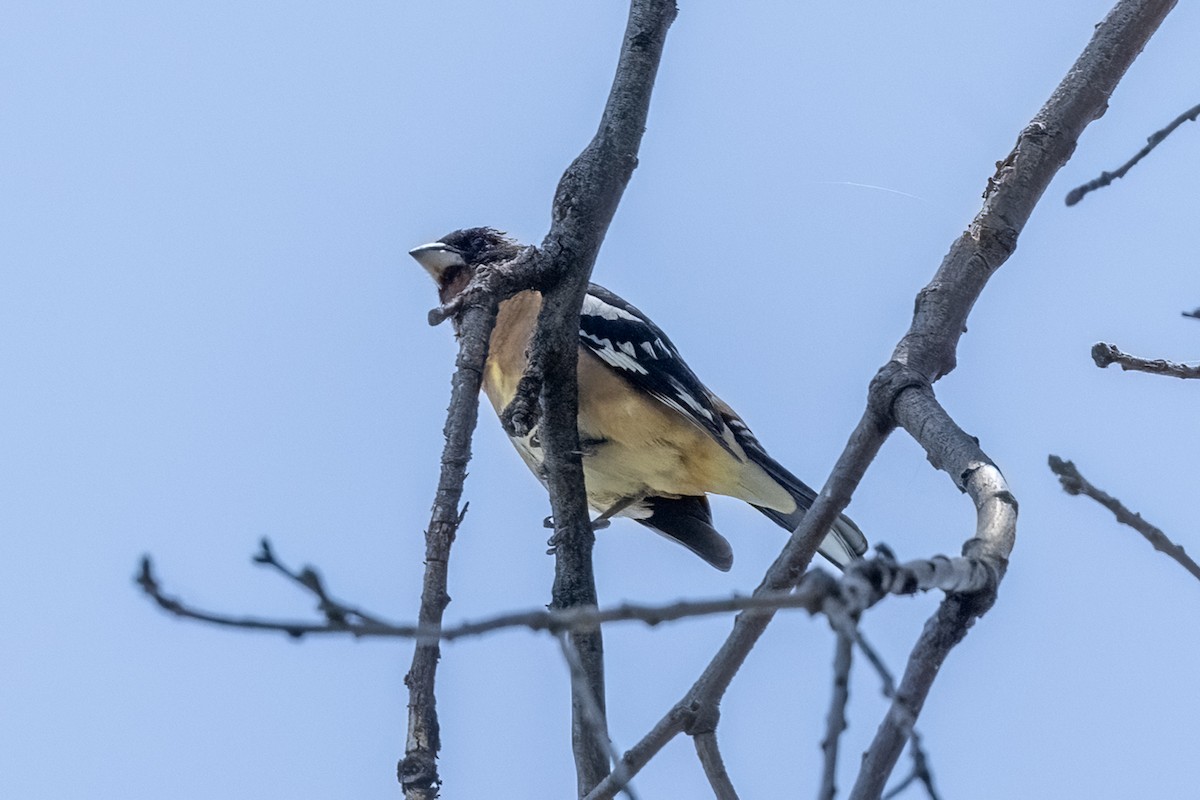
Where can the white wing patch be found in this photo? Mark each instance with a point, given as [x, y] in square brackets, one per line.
[689, 399]
[621, 357]
[627, 341]
[596, 307]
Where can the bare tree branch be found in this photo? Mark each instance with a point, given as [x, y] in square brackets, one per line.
[1194, 313]
[593, 716]
[1105, 354]
[1021, 179]
[584, 204]
[956, 453]
[417, 771]
[1074, 483]
[921, 770]
[1078, 193]
[864, 584]
[902, 393]
[714, 766]
[835, 720]
[309, 580]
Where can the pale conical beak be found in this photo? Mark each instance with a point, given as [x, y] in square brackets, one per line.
[436, 258]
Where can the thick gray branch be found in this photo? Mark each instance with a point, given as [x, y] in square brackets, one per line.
[584, 204]
[923, 355]
[940, 317]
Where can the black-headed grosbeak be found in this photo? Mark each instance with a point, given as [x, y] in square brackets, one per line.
[655, 440]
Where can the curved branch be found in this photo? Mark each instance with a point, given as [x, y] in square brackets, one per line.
[928, 349]
[926, 353]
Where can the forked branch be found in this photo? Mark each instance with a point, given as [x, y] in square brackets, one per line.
[902, 394]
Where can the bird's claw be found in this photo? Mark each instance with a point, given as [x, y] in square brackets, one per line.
[597, 525]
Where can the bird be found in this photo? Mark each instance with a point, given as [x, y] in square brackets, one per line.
[655, 440]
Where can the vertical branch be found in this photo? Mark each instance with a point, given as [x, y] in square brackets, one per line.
[584, 204]
[418, 770]
[835, 723]
[593, 716]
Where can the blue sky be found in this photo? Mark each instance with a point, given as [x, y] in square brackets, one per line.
[210, 333]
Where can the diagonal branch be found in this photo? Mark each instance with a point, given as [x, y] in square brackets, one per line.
[593, 715]
[921, 770]
[336, 612]
[1078, 193]
[902, 394]
[714, 766]
[1105, 354]
[1074, 483]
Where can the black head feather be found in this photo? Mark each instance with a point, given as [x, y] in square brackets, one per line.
[482, 245]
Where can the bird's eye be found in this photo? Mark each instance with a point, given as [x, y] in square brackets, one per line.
[450, 274]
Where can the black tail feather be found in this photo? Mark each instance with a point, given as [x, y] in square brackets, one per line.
[844, 542]
[688, 520]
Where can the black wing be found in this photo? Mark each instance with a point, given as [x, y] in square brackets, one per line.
[626, 340]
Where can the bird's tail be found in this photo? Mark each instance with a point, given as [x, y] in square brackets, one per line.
[844, 542]
[688, 520]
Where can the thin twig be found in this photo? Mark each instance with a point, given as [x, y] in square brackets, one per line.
[1078, 193]
[861, 586]
[310, 580]
[886, 679]
[593, 715]
[1105, 354]
[417, 771]
[714, 766]
[921, 770]
[835, 720]
[1074, 483]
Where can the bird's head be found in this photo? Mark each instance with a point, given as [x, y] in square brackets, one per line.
[452, 260]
